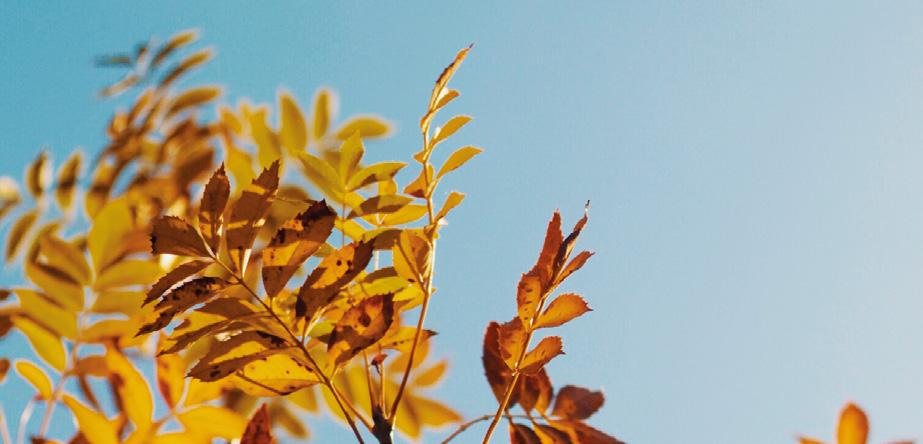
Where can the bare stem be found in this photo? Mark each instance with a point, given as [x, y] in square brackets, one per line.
[462, 427]
[4, 428]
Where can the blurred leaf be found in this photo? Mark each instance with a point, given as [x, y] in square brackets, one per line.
[35, 376]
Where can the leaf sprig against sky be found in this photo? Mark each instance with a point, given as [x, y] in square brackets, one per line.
[244, 257]
[852, 428]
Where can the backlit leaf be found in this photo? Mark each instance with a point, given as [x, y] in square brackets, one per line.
[249, 214]
[293, 132]
[66, 257]
[128, 272]
[443, 80]
[322, 114]
[211, 210]
[453, 200]
[333, 273]
[374, 173]
[213, 421]
[550, 435]
[544, 352]
[40, 308]
[380, 205]
[38, 175]
[172, 235]
[57, 285]
[267, 142]
[528, 295]
[457, 159]
[453, 125]
[46, 344]
[35, 376]
[19, 231]
[191, 98]
[293, 244]
[562, 309]
[535, 391]
[361, 326]
[4, 368]
[93, 425]
[368, 127]
[223, 314]
[107, 236]
[259, 429]
[174, 277]
[351, 152]
[194, 292]
[170, 378]
[574, 402]
[512, 339]
[132, 389]
[521, 434]
[67, 180]
[411, 256]
[853, 427]
[322, 174]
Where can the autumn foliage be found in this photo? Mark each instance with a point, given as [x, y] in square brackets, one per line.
[253, 257]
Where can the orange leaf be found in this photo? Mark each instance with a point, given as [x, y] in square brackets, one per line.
[498, 374]
[853, 427]
[562, 309]
[521, 434]
[512, 338]
[172, 235]
[293, 244]
[259, 429]
[528, 295]
[577, 403]
[544, 352]
[214, 199]
[174, 277]
[360, 327]
[332, 274]
[535, 391]
[249, 214]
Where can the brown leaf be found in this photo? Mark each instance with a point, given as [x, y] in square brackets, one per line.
[172, 235]
[211, 210]
[498, 374]
[361, 326]
[562, 309]
[67, 180]
[182, 298]
[249, 214]
[293, 244]
[512, 338]
[226, 357]
[333, 273]
[584, 434]
[551, 435]
[544, 352]
[575, 264]
[528, 295]
[535, 391]
[577, 402]
[544, 267]
[567, 245]
[174, 277]
[521, 434]
[259, 429]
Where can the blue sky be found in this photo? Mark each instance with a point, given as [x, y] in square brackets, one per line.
[754, 172]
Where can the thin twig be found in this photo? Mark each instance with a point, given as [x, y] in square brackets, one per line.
[462, 427]
[4, 428]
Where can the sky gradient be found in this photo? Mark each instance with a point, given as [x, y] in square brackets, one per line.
[754, 173]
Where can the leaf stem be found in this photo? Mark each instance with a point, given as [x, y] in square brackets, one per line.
[462, 427]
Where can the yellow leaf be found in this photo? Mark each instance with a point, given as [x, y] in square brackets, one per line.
[361, 326]
[378, 172]
[267, 142]
[93, 425]
[380, 205]
[35, 376]
[177, 41]
[292, 129]
[213, 421]
[67, 180]
[182, 298]
[259, 429]
[853, 427]
[322, 174]
[199, 392]
[562, 309]
[454, 124]
[172, 235]
[323, 113]
[305, 398]
[240, 164]
[455, 199]
[66, 257]
[19, 231]
[432, 413]
[106, 239]
[367, 126]
[46, 344]
[276, 375]
[249, 214]
[9, 195]
[57, 285]
[421, 186]
[50, 314]
[189, 63]
[431, 375]
[211, 210]
[38, 175]
[457, 159]
[405, 215]
[351, 152]
[443, 80]
[129, 272]
[191, 98]
[228, 356]
[214, 317]
[411, 256]
[333, 273]
[174, 277]
[293, 244]
[132, 389]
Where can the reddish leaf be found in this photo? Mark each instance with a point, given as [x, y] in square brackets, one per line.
[259, 429]
[576, 402]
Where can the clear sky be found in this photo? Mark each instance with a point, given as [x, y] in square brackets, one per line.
[754, 171]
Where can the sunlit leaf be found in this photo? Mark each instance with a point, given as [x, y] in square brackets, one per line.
[249, 214]
[46, 344]
[528, 296]
[259, 429]
[188, 64]
[380, 205]
[293, 244]
[535, 391]
[38, 175]
[457, 159]
[175, 42]
[322, 115]
[411, 256]
[35, 376]
[19, 231]
[544, 352]
[361, 326]
[293, 132]
[192, 98]
[374, 173]
[211, 210]
[853, 427]
[333, 273]
[498, 374]
[512, 339]
[132, 389]
[453, 200]
[213, 421]
[562, 309]
[129, 272]
[368, 127]
[194, 292]
[66, 257]
[42, 309]
[172, 235]
[174, 277]
[453, 125]
[106, 240]
[57, 285]
[223, 314]
[171, 370]
[267, 142]
[93, 425]
[351, 152]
